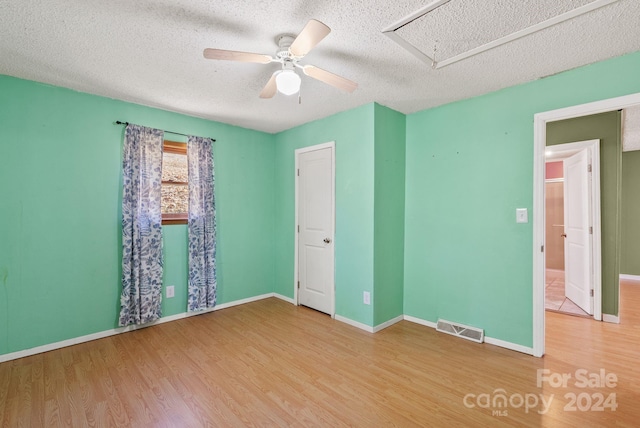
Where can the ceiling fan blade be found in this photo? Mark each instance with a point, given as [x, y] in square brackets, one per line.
[311, 35]
[236, 56]
[330, 78]
[270, 88]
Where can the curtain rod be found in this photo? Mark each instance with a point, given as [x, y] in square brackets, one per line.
[118, 122]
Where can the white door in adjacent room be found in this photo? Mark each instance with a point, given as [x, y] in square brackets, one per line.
[577, 220]
[315, 200]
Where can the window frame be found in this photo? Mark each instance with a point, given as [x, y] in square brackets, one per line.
[178, 148]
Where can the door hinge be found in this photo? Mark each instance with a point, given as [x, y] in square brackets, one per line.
[298, 284]
[542, 248]
[298, 172]
[592, 292]
[298, 228]
[591, 230]
[589, 168]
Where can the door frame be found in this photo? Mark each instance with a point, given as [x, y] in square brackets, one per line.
[594, 208]
[540, 121]
[297, 153]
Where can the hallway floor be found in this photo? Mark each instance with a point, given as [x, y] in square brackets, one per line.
[554, 298]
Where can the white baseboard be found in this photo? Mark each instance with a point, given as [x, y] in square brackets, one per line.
[365, 327]
[635, 278]
[353, 323]
[420, 321]
[488, 340]
[611, 318]
[386, 324]
[234, 303]
[120, 330]
[74, 341]
[285, 298]
[508, 345]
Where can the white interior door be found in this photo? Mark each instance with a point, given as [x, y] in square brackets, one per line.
[316, 229]
[578, 257]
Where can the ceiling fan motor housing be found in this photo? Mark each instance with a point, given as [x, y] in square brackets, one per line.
[284, 41]
[291, 49]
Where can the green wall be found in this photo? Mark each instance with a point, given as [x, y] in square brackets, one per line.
[388, 247]
[369, 240]
[176, 267]
[606, 127]
[469, 165]
[630, 254]
[353, 133]
[60, 251]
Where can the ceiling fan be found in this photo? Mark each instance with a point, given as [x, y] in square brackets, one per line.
[290, 50]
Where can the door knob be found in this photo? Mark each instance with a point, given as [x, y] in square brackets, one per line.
[564, 235]
[327, 240]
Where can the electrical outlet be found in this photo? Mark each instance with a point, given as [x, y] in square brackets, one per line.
[171, 291]
[366, 298]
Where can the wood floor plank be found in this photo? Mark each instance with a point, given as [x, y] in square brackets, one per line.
[269, 363]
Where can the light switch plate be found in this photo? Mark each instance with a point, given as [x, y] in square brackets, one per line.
[170, 292]
[522, 215]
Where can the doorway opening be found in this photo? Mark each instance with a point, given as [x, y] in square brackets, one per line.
[572, 229]
[540, 137]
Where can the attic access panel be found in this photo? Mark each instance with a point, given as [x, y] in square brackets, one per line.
[459, 29]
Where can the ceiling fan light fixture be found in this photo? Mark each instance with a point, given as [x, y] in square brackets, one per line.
[288, 82]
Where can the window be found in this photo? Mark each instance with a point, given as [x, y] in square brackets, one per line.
[175, 183]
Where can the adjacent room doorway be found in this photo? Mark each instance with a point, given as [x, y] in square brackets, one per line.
[540, 139]
[573, 263]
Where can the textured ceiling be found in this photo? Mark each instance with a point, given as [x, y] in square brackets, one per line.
[459, 26]
[150, 51]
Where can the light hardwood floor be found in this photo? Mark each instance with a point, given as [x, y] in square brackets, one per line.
[269, 363]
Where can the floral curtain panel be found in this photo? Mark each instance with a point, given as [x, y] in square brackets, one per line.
[141, 226]
[202, 225]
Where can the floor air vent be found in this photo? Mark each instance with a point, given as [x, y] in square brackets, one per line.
[461, 330]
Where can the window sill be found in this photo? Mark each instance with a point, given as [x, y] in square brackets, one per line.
[168, 219]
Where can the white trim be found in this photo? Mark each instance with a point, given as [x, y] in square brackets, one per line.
[488, 340]
[389, 323]
[297, 153]
[231, 304]
[353, 323]
[120, 330]
[539, 174]
[410, 48]
[390, 31]
[554, 180]
[420, 321]
[285, 298]
[611, 318]
[508, 345]
[539, 145]
[527, 31]
[367, 328]
[588, 109]
[626, 277]
[414, 15]
[296, 277]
